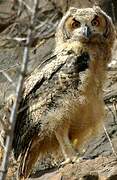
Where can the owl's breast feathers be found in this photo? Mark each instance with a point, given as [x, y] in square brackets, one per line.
[83, 61]
[45, 88]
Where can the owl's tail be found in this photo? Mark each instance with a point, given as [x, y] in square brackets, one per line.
[27, 159]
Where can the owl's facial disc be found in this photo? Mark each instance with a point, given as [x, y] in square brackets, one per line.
[83, 29]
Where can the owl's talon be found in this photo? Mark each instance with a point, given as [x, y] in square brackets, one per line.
[74, 159]
[69, 160]
[79, 159]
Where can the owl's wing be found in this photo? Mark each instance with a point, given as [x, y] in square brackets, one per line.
[36, 88]
[43, 90]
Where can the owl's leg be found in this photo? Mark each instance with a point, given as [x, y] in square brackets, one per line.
[66, 147]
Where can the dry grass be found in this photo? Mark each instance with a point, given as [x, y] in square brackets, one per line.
[1, 154]
[12, 166]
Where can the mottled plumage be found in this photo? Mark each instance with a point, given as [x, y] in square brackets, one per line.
[63, 99]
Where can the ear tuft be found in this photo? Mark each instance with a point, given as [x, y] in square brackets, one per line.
[73, 10]
[109, 32]
[97, 9]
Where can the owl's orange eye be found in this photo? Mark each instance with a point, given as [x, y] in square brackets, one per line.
[95, 22]
[75, 24]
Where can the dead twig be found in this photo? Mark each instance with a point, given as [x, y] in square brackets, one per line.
[108, 98]
[5, 124]
[8, 78]
[9, 68]
[113, 114]
[21, 2]
[2, 139]
[113, 150]
[13, 115]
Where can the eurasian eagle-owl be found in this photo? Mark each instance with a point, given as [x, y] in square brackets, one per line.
[63, 99]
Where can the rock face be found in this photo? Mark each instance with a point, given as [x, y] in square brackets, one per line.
[109, 6]
[99, 162]
[100, 168]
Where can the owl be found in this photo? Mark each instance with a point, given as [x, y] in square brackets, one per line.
[62, 105]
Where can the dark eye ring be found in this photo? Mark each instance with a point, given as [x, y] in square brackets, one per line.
[95, 22]
[75, 24]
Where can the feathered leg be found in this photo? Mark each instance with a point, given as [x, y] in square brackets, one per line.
[66, 147]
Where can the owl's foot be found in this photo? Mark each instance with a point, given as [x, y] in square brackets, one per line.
[69, 160]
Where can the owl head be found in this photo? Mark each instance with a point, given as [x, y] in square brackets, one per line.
[86, 25]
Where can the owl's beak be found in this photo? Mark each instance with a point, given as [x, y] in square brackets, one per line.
[86, 31]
